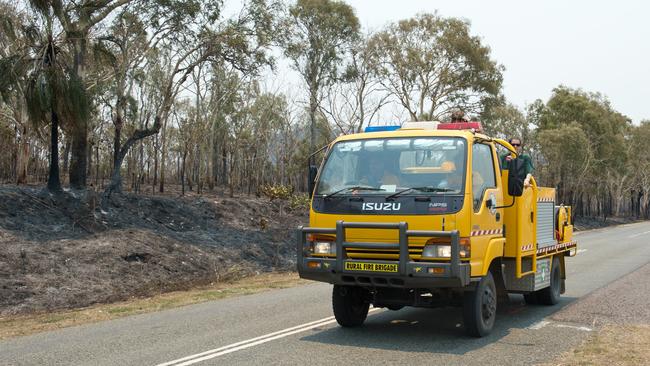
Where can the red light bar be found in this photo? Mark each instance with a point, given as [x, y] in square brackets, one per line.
[476, 126]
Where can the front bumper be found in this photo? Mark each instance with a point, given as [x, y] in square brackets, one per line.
[409, 274]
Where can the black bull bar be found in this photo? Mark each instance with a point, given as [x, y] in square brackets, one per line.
[409, 274]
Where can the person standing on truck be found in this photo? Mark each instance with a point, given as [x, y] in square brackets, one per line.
[458, 116]
[528, 162]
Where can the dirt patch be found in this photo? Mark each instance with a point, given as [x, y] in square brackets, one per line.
[613, 345]
[67, 251]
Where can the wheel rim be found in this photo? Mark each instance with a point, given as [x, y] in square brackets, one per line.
[488, 304]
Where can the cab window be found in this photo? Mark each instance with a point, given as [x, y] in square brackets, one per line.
[483, 175]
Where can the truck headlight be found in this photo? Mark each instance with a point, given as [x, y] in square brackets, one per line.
[435, 249]
[324, 247]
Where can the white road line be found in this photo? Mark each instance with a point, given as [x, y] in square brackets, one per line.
[203, 356]
[638, 234]
[584, 329]
[543, 323]
[581, 251]
[539, 325]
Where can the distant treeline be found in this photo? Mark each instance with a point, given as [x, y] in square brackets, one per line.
[135, 94]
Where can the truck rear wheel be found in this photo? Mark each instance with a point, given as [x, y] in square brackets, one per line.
[480, 307]
[350, 305]
[551, 294]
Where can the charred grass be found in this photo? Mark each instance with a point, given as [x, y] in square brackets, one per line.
[68, 251]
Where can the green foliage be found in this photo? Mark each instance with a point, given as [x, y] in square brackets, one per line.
[566, 150]
[296, 201]
[604, 127]
[432, 64]
[505, 121]
[276, 191]
[299, 201]
[317, 35]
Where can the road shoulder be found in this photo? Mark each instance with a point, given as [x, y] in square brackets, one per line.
[620, 317]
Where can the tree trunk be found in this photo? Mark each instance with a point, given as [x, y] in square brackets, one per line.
[183, 172]
[54, 180]
[155, 165]
[313, 105]
[79, 148]
[116, 177]
[78, 162]
[163, 158]
[89, 154]
[22, 158]
[97, 167]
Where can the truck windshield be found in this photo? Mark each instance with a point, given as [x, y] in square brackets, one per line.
[428, 165]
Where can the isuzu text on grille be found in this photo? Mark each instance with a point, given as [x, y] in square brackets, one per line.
[381, 206]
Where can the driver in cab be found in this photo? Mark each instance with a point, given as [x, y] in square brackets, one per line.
[378, 173]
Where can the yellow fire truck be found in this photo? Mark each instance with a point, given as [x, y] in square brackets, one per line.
[425, 215]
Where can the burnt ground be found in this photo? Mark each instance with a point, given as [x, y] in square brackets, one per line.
[69, 251]
[590, 223]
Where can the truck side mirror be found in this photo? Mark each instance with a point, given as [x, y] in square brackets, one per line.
[516, 176]
[313, 172]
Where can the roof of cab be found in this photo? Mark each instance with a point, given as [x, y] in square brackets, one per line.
[410, 133]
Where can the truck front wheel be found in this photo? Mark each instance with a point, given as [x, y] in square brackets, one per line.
[480, 307]
[350, 305]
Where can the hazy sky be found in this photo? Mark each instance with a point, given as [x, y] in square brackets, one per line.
[599, 46]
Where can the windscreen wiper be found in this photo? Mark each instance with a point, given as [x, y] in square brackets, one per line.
[421, 189]
[353, 188]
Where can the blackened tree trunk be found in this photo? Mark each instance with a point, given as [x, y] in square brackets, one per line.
[78, 161]
[54, 179]
[116, 177]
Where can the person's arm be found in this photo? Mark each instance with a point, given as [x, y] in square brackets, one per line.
[529, 170]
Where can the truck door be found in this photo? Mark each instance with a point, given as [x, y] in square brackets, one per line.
[487, 220]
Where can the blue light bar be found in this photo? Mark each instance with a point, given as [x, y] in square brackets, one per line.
[381, 128]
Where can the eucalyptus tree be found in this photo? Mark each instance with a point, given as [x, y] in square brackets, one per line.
[432, 65]
[357, 97]
[318, 34]
[605, 131]
[241, 42]
[187, 36]
[639, 165]
[505, 120]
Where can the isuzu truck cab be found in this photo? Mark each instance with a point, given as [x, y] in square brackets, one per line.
[425, 216]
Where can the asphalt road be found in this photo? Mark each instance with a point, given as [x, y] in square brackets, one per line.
[295, 326]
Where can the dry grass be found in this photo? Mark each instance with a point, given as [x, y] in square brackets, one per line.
[614, 345]
[30, 324]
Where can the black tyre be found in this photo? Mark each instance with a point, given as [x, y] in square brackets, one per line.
[551, 294]
[480, 308]
[350, 305]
